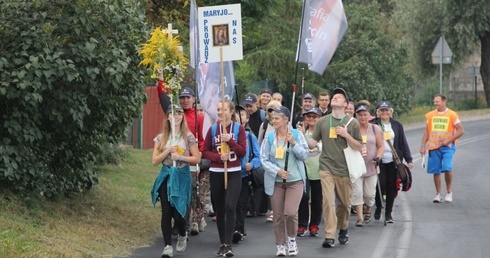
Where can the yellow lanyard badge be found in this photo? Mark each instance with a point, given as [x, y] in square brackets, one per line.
[280, 149]
[180, 150]
[333, 133]
[387, 135]
[279, 152]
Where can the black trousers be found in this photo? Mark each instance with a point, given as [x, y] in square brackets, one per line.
[225, 202]
[260, 199]
[169, 212]
[242, 205]
[304, 219]
[387, 181]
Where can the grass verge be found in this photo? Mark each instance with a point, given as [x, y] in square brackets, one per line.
[105, 222]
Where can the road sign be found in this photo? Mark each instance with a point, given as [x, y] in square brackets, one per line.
[441, 49]
[473, 70]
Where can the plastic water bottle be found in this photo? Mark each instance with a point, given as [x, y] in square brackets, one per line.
[364, 150]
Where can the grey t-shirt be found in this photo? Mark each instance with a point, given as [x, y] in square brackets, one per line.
[180, 141]
[332, 157]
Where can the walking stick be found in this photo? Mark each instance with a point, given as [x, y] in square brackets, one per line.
[380, 196]
[287, 149]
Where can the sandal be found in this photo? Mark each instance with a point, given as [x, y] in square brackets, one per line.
[367, 217]
[359, 223]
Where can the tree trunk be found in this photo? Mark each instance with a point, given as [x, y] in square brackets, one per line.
[485, 65]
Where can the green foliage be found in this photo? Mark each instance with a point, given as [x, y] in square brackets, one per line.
[69, 87]
[470, 104]
[426, 91]
[464, 24]
[270, 45]
[370, 62]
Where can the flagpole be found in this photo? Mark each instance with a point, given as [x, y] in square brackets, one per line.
[300, 43]
[174, 163]
[225, 165]
[238, 103]
[303, 82]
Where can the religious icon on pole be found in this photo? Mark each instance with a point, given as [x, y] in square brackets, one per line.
[220, 33]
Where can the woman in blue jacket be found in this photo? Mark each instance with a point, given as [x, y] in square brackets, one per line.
[285, 186]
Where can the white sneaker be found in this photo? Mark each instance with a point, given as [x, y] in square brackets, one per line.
[181, 243]
[270, 218]
[168, 251]
[202, 225]
[281, 250]
[437, 199]
[293, 247]
[449, 197]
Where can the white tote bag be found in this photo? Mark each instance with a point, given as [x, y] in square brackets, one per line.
[355, 162]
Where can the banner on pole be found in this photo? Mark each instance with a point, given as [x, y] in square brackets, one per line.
[324, 25]
[210, 90]
[220, 26]
[193, 34]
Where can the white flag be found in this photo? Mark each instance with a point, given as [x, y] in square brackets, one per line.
[193, 34]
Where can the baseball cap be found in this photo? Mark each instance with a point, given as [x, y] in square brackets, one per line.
[186, 92]
[240, 107]
[265, 90]
[341, 91]
[282, 109]
[313, 110]
[176, 108]
[362, 108]
[384, 105]
[308, 96]
[250, 99]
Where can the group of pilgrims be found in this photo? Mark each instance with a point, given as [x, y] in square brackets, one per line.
[259, 159]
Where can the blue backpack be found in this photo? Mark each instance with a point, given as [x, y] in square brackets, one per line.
[270, 136]
[214, 127]
[262, 115]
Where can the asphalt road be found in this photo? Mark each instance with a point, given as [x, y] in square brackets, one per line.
[421, 228]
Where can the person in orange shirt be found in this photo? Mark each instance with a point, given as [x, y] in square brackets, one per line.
[442, 131]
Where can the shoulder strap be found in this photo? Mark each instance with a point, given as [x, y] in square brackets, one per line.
[213, 134]
[270, 138]
[250, 148]
[350, 120]
[262, 115]
[266, 124]
[397, 159]
[295, 134]
[236, 129]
